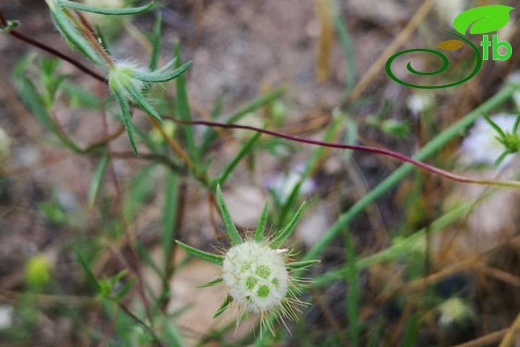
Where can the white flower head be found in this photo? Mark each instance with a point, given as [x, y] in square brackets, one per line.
[256, 276]
[257, 273]
[482, 146]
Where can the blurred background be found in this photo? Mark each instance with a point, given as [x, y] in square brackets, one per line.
[457, 283]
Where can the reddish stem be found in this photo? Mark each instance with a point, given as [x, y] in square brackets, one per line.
[50, 50]
[370, 149]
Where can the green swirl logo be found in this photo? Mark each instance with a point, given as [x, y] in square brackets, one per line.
[479, 20]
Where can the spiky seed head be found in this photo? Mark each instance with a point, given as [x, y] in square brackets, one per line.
[256, 276]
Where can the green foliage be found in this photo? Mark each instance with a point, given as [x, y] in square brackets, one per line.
[111, 250]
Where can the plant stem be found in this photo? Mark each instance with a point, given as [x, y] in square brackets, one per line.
[50, 50]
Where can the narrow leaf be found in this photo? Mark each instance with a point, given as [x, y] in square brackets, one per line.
[140, 100]
[71, 34]
[227, 301]
[183, 111]
[156, 42]
[244, 150]
[169, 218]
[90, 276]
[33, 99]
[287, 231]
[144, 254]
[105, 10]
[301, 264]
[211, 283]
[127, 119]
[155, 77]
[231, 229]
[494, 126]
[348, 48]
[260, 229]
[97, 179]
[212, 258]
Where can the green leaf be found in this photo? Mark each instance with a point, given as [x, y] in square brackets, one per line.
[182, 110]
[348, 48]
[287, 231]
[483, 19]
[140, 189]
[33, 99]
[156, 42]
[211, 283]
[140, 100]
[157, 77]
[145, 256]
[244, 150]
[73, 37]
[97, 179]
[260, 229]
[127, 119]
[169, 218]
[104, 10]
[301, 264]
[227, 301]
[231, 229]
[90, 276]
[212, 258]
[169, 333]
[494, 126]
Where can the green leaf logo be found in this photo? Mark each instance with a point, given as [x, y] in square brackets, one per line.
[483, 19]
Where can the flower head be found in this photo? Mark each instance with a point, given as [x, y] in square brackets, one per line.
[129, 82]
[256, 276]
[256, 272]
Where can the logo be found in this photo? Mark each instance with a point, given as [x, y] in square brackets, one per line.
[480, 20]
